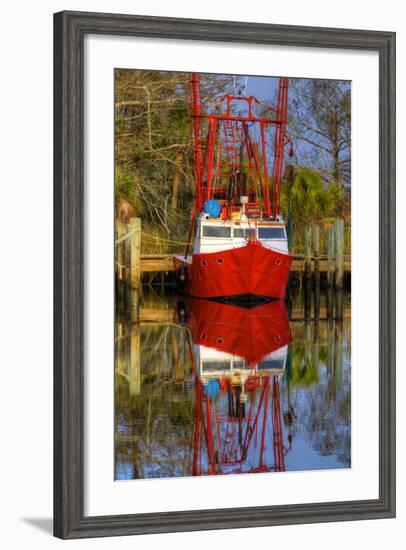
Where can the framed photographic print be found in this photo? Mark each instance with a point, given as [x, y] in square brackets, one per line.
[224, 275]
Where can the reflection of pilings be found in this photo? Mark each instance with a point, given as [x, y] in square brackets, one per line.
[317, 301]
[339, 305]
[127, 347]
[177, 374]
[127, 354]
[338, 355]
[315, 345]
[330, 344]
[135, 362]
[330, 303]
[330, 358]
[119, 348]
[307, 342]
[307, 298]
[289, 305]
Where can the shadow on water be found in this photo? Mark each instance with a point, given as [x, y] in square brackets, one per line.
[213, 388]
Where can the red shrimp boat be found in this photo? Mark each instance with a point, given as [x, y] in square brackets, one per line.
[229, 337]
[240, 242]
[238, 358]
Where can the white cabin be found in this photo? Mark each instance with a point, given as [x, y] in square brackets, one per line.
[213, 363]
[215, 235]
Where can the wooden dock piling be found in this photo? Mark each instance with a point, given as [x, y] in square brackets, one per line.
[308, 251]
[310, 265]
[316, 269]
[339, 253]
[330, 257]
[120, 264]
[135, 230]
[316, 251]
[135, 263]
[127, 271]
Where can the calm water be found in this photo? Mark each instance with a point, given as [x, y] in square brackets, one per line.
[205, 388]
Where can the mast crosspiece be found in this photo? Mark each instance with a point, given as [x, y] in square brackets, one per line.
[231, 150]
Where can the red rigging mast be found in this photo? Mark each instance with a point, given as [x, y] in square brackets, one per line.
[238, 427]
[242, 438]
[231, 150]
[241, 246]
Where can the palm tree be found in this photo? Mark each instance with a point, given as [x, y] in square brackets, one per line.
[307, 200]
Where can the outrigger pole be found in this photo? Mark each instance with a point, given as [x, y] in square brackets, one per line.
[240, 138]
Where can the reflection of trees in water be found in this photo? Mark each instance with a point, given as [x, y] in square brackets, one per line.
[153, 428]
[154, 424]
[318, 386]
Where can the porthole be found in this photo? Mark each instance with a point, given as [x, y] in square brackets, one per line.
[220, 261]
[278, 262]
[203, 263]
[219, 340]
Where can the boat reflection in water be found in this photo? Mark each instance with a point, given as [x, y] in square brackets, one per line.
[238, 356]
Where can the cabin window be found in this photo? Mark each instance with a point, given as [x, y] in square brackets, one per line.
[220, 261]
[215, 365]
[216, 231]
[272, 232]
[242, 233]
[271, 364]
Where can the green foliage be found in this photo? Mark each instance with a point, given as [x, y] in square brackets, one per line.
[153, 152]
[303, 371]
[125, 188]
[307, 199]
[152, 148]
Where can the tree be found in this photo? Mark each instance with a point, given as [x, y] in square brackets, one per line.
[320, 124]
[152, 146]
[307, 200]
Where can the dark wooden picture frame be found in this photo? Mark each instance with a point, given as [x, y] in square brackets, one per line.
[69, 31]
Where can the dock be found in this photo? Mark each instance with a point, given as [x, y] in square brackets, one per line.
[131, 265]
[164, 263]
[157, 317]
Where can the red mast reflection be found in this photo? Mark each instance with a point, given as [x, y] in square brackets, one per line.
[238, 357]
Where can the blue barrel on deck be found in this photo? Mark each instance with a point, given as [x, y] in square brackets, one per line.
[212, 208]
[212, 388]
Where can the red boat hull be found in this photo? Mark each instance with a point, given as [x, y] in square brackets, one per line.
[248, 333]
[248, 270]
